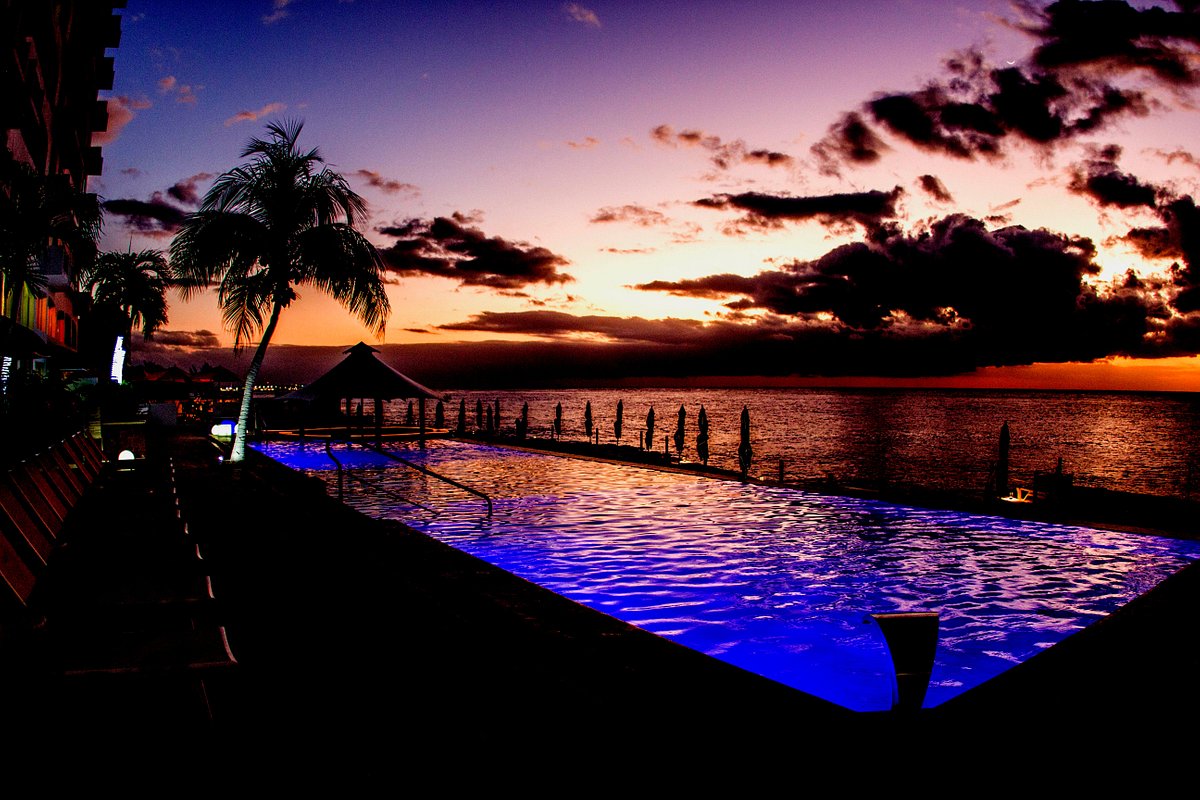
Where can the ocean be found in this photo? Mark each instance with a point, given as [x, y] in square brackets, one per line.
[947, 439]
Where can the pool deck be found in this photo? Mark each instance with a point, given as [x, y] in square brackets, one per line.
[365, 648]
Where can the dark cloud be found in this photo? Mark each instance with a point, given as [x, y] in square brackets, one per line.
[973, 118]
[986, 297]
[171, 344]
[722, 154]
[849, 140]
[554, 324]
[387, 185]
[638, 215]
[976, 109]
[1155, 243]
[1100, 179]
[186, 191]
[447, 247]
[154, 217]
[1183, 224]
[711, 287]
[200, 338]
[868, 209]
[1112, 36]
[933, 186]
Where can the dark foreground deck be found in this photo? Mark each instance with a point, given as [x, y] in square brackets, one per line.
[367, 651]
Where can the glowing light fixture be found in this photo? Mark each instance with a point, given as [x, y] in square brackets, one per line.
[118, 361]
[223, 429]
[5, 371]
[126, 455]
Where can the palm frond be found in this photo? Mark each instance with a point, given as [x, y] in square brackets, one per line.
[210, 244]
[340, 261]
[243, 304]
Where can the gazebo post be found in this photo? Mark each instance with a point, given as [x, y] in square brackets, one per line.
[421, 411]
[378, 421]
[349, 421]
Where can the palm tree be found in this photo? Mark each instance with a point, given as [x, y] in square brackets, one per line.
[132, 288]
[37, 215]
[279, 221]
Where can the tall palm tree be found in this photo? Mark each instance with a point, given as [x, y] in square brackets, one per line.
[131, 288]
[279, 221]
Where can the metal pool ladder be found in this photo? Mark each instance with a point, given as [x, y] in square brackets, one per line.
[341, 485]
[430, 473]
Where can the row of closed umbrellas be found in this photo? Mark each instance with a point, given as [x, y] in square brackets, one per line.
[487, 418]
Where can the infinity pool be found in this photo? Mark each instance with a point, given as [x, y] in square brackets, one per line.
[776, 581]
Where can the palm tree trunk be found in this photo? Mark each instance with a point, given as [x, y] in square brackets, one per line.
[239, 437]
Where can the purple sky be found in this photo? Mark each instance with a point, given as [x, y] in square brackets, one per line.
[863, 188]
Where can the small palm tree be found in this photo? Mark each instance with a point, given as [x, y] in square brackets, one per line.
[130, 287]
[38, 214]
[279, 221]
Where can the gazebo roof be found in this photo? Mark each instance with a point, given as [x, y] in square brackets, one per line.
[361, 374]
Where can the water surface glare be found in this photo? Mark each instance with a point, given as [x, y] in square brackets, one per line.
[776, 581]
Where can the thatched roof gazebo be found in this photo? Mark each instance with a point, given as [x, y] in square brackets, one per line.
[361, 375]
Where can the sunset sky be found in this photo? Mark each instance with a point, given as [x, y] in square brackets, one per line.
[972, 193]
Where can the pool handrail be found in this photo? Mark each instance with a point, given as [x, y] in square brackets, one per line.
[429, 472]
[340, 471]
[393, 494]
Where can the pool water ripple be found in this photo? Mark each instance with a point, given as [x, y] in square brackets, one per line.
[777, 581]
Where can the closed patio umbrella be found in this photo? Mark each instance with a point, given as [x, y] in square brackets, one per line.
[1002, 462]
[745, 452]
[702, 437]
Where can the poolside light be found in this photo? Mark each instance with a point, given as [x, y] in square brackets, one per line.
[224, 429]
[118, 360]
[126, 455]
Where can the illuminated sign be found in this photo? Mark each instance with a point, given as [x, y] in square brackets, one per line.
[118, 362]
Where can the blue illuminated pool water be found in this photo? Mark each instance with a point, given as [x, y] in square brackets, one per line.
[776, 581]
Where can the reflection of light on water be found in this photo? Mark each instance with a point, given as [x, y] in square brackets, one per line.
[776, 581]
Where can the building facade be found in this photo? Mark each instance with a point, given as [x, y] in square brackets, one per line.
[56, 59]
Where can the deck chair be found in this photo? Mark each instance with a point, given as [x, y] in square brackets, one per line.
[114, 577]
[20, 520]
[74, 632]
[74, 449]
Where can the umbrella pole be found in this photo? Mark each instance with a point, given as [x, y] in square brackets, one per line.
[421, 410]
